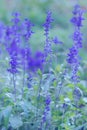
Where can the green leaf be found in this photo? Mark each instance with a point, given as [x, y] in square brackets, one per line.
[15, 122]
[70, 95]
[58, 68]
[6, 114]
[55, 83]
[7, 111]
[40, 73]
[70, 85]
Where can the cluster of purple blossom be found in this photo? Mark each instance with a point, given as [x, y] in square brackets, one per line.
[16, 38]
[17, 43]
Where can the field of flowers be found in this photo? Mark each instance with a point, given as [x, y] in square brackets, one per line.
[43, 81]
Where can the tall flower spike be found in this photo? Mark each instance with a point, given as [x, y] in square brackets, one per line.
[47, 25]
[73, 55]
[12, 46]
[16, 32]
[13, 51]
[27, 29]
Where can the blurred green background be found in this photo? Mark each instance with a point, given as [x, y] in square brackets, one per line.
[36, 10]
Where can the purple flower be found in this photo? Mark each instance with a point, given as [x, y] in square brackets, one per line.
[13, 65]
[16, 17]
[56, 40]
[48, 100]
[35, 62]
[31, 62]
[27, 29]
[47, 108]
[47, 25]
[25, 52]
[74, 76]
[76, 9]
[78, 16]
[12, 37]
[39, 57]
[8, 32]
[77, 38]
[49, 41]
[13, 51]
[73, 55]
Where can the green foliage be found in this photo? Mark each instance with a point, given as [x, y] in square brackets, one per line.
[15, 122]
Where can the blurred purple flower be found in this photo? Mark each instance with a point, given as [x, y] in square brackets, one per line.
[78, 16]
[73, 55]
[47, 25]
[27, 29]
[47, 108]
[35, 62]
[56, 40]
[13, 65]
[13, 51]
[76, 9]
[16, 17]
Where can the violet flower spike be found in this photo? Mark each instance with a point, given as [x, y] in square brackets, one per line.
[47, 108]
[47, 26]
[73, 55]
[47, 23]
[27, 29]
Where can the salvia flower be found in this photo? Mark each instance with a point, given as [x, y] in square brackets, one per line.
[16, 31]
[78, 16]
[76, 9]
[31, 62]
[47, 26]
[56, 40]
[73, 55]
[77, 38]
[16, 18]
[47, 23]
[13, 52]
[27, 29]
[8, 33]
[47, 108]
[25, 54]
[13, 65]
[36, 62]
[39, 56]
